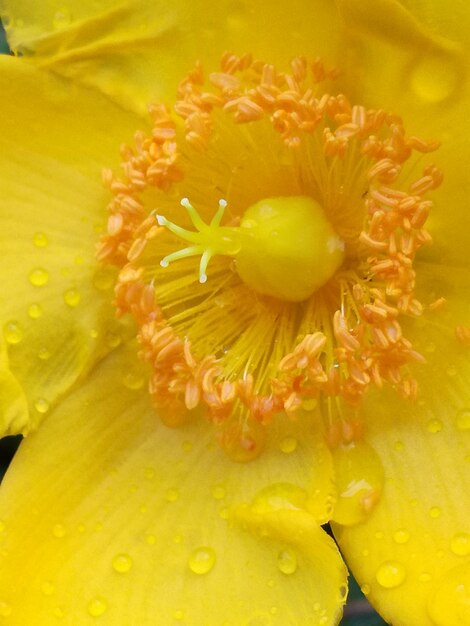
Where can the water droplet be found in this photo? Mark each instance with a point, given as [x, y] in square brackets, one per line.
[40, 240]
[62, 19]
[424, 577]
[97, 607]
[179, 615]
[104, 278]
[460, 544]
[44, 354]
[187, 446]
[242, 441]
[434, 426]
[122, 563]
[59, 612]
[434, 77]
[224, 513]
[172, 494]
[401, 536]
[113, 340]
[5, 609]
[219, 492]
[47, 588]
[435, 512]
[287, 561]
[38, 277]
[288, 445]
[202, 560]
[359, 480]
[398, 445]
[279, 496]
[462, 420]
[42, 406]
[13, 333]
[59, 531]
[151, 539]
[134, 380]
[450, 603]
[343, 593]
[72, 298]
[149, 473]
[35, 311]
[390, 574]
[365, 589]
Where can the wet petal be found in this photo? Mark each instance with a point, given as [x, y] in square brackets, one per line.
[411, 555]
[55, 314]
[130, 519]
[138, 51]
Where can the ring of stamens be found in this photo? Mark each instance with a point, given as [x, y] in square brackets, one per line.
[349, 335]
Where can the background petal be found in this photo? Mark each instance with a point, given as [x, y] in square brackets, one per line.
[413, 58]
[138, 50]
[412, 556]
[55, 312]
[125, 521]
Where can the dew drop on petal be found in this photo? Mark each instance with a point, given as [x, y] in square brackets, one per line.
[62, 19]
[97, 606]
[42, 406]
[103, 279]
[44, 354]
[59, 531]
[179, 615]
[38, 277]
[462, 420]
[13, 333]
[122, 563]
[172, 494]
[35, 311]
[434, 426]
[460, 544]
[5, 609]
[133, 380]
[288, 445]
[287, 562]
[202, 560]
[219, 492]
[434, 78]
[72, 298]
[47, 588]
[390, 574]
[40, 240]
[449, 603]
[359, 481]
[151, 539]
[435, 512]
[401, 536]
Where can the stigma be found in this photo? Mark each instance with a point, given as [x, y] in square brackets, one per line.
[283, 247]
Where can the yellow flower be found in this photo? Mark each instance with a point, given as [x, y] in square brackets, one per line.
[307, 379]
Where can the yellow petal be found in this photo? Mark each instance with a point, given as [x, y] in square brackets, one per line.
[412, 556]
[139, 50]
[14, 414]
[413, 58]
[143, 524]
[55, 312]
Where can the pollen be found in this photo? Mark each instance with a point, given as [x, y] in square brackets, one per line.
[266, 229]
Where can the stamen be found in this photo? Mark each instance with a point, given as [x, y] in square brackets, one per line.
[299, 311]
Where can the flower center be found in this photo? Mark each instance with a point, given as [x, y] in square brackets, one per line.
[283, 247]
[306, 266]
